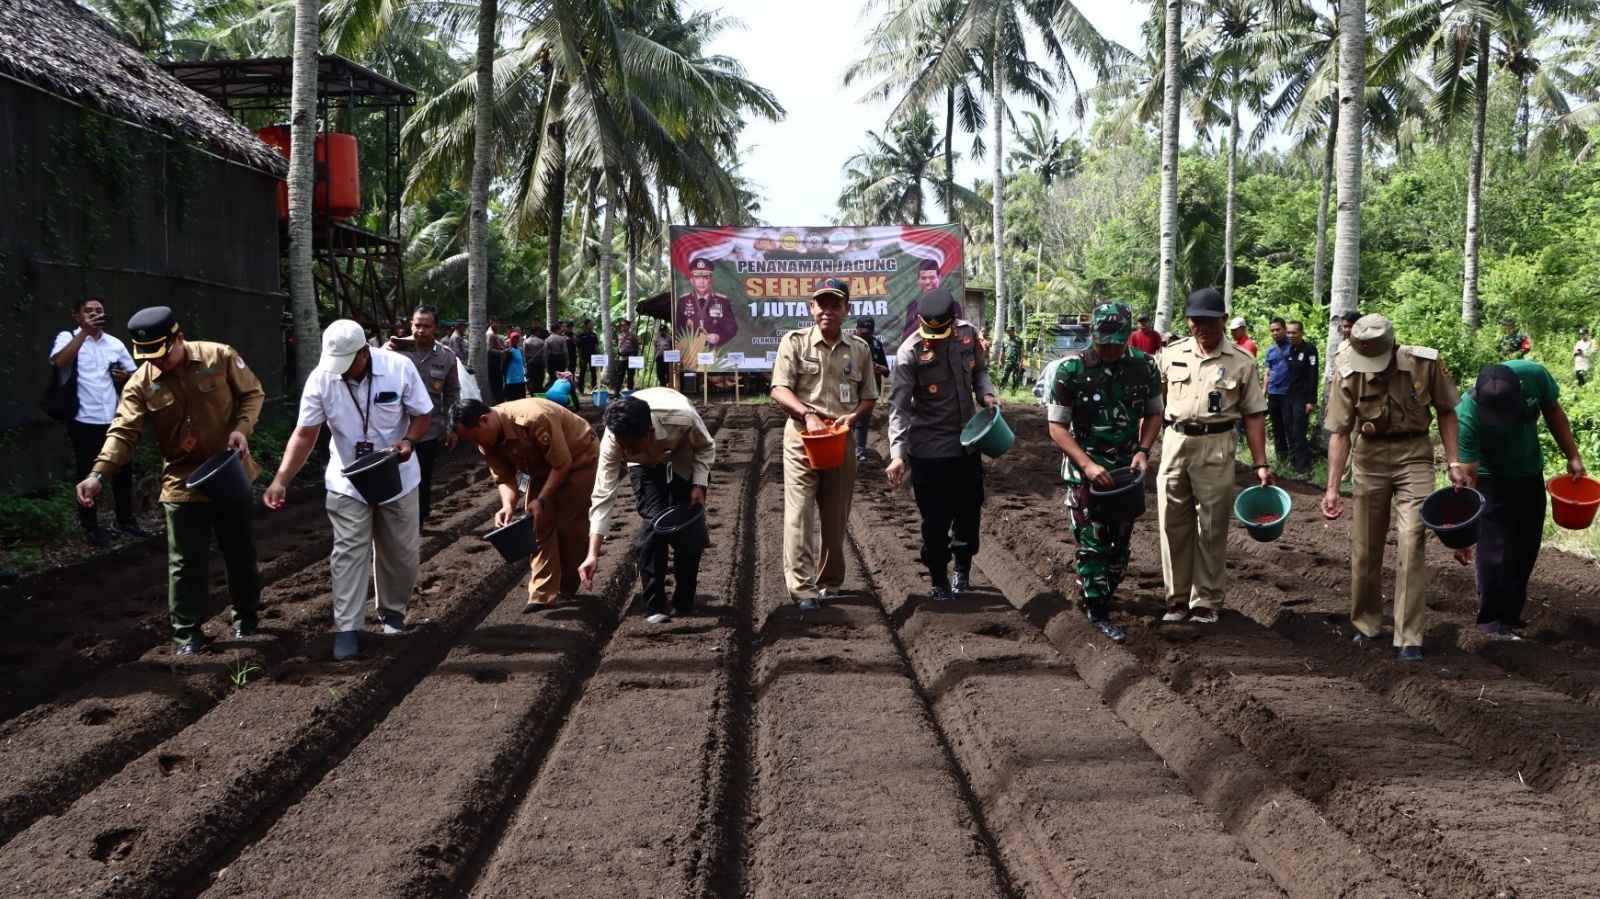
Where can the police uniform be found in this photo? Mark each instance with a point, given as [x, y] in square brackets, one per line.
[437, 366]
[830, 379]
[1104, 404]
[1302, 392]
[1387, 415]
[536, 437]
[1206, 396]
[938, 383]
[710, 312]
[192, 409]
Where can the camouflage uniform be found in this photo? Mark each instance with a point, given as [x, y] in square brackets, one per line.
[1104, 404]
[1011, 376]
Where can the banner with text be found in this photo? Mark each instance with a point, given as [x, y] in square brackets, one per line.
[739, 289]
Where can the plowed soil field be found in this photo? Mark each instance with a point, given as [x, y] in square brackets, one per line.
[885, 745]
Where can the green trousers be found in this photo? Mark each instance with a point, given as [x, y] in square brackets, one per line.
[1103, 548]
[189, 530]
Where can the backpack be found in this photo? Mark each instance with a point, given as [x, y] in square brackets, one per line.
[60, 400]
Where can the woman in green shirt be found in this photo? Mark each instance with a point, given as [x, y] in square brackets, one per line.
[1500, 450]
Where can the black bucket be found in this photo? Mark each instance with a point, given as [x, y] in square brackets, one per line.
[1124, 501]
[222, 478]
[1453, 514]
[677, 518]
[515, 541]
[376, 476]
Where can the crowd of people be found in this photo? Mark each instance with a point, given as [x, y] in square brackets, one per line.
[1107, 409]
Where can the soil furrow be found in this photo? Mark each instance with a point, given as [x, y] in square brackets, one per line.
[655, 713]
[852, 791]
[157, 826]
[1077, 803]
[55, 753]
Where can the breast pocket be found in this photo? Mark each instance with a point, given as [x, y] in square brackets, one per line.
[933, 380]
[1180, 389]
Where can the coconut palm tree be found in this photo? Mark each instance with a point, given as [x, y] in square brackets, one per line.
[889, 181]
[1460, 36]
[1040, 151]
[1172, 49]
[302, 180]
[1348, 146]
[478, 197]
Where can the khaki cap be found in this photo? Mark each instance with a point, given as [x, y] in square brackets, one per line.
[1371, 344]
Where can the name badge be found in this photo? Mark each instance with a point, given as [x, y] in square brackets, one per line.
[844, 393]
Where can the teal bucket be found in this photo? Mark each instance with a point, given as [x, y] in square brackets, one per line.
[988, 433]
[1253, 506]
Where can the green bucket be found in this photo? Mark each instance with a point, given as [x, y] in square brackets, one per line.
[988, 432]
[1253, 507]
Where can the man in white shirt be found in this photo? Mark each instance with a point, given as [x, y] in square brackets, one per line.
[660, 440]
[103, 365]
[370, 398]
[1581, 351]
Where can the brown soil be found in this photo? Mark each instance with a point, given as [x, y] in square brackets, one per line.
[993, 745]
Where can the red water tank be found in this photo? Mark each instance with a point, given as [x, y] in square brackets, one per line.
[338, 190]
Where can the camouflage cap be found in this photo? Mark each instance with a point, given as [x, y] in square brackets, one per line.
[1113, 322]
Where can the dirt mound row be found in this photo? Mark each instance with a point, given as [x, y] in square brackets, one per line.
[1078, 805]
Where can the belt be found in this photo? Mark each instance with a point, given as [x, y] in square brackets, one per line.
[1200, 429]
[1396, 435]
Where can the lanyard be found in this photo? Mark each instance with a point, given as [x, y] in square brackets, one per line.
[367, 415]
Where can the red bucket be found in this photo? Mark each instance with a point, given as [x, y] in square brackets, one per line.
[825, 448]
[1573, 501]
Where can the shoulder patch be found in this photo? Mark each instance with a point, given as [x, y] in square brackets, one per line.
[1425, 352]
[1346, 371]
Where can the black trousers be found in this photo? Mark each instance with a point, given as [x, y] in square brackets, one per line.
[949, 495]
[536, 378]
[585, 372]
[663, 373]
[1298, 423]
[1276, 403]
[86, 443]
[427, 453]
[515, 392]
[655, 491]
[1509, 535]
[553, 367]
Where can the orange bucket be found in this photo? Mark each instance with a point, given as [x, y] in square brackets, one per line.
[1573, 502]
[825, 448]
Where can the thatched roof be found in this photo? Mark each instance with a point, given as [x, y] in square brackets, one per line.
[67, 50]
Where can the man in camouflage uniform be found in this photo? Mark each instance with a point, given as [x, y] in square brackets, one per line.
[1011, 375]
[1513, 343]
[1105, 413]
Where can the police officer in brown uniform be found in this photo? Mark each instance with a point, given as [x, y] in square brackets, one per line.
[822, 375]
[1211, 384]
[1381, 398]
[941, 374]
[436, 363]
[200, 398]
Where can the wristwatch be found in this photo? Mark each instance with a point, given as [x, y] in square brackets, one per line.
[1142, 449]
[98, 476]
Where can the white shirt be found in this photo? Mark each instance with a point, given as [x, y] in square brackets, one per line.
[397, 393]
[1580, 354]
[97, 393]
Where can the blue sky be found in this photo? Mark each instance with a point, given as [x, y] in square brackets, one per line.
[800, 51]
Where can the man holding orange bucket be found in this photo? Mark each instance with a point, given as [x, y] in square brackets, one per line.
[1501, 455]
[941, 374]
[824, 380]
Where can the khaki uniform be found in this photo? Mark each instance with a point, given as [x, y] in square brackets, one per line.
[830, 380]
[1387, 416]
[680, 440]
[1194, 485]
[538, 436]
[192, 410]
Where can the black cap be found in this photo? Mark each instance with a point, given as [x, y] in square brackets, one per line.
[838, 288]
[936, 305]
[1498, 395]
[151, 329]
[1205, 303]
[701, 264]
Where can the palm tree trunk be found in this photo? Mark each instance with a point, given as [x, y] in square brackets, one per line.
[997, 80]
[556, 214]
[302, 184]
[1469, 280]
[1319, 269]
[1347, 224]
[949, 154]
[631, 241]
[607, 231]
[478, 223]
[1169, 166]
[1228, 213]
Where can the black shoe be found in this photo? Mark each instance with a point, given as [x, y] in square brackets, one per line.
[99, 538]
[1364, 640]
[960, 582]
[940, 593]
[1111, 631]
[133, 530]
[1409, 654]
[194, 646]
[683, 608]
[243, 630]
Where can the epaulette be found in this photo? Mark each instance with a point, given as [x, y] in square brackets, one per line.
[1424, 352]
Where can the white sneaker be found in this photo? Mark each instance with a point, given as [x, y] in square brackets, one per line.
[658, 618]
[1203, 616]
[1175, 615]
